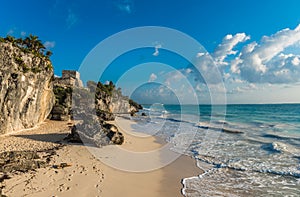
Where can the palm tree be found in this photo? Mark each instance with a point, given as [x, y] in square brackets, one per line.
[27, 42]
[32, 42]
[11, 39]
[20, 42]
[39, 47]
[48, 53]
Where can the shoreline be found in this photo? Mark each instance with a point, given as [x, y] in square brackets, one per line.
[87, 175]
[168, 178]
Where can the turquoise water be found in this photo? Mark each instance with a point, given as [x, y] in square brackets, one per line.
[245, 150]
[274, 115]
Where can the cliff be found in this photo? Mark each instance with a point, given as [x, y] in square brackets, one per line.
[91, 106]
[26, 95]
[29, 93]
[108, 100]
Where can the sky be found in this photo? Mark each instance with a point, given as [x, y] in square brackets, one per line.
[250, 49]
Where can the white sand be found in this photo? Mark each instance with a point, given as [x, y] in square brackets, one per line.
[88, 176]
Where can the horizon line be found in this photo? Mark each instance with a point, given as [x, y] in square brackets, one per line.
[284, 103]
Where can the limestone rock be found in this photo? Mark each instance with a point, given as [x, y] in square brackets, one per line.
[109, 99]
[63, 103]
[105, 115]
[21, 161]
[26, 96]
[74, 136]
[91, 131]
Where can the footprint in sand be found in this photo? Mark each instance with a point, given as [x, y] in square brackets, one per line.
[62, 188]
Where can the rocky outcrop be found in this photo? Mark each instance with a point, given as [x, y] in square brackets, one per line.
[91, 131]
[63, 103]
[110, 101]
[63, 90]
[26, 96]
[106, 99]
[21, 161]
[85, 106]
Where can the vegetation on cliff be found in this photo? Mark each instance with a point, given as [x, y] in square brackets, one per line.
[135, 104]
[92, 106]
[29, 44]
[26, 96]
[28, 88]
[112, 95]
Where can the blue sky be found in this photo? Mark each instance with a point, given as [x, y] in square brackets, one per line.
[257, 55]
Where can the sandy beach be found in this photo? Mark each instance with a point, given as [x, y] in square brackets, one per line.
[88, 175]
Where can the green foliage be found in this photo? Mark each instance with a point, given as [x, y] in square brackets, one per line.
[19, 60]
[48, 54]
[22, 64]
[106, 88]
[61, 94]
[119, 91]
[10, 38]
[135, 104]
[25, 68]
[30, 44]
[49, 67]
[35, 70]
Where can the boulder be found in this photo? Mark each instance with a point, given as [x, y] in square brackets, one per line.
[95, 132]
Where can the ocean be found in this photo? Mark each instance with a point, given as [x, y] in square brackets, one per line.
[245, 150]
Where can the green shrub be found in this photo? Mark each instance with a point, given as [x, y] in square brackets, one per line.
[25, 68]
[49, 67]
[135, 104]
[36, 70]
[19, 60]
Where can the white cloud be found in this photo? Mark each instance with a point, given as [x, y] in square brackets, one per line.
[257, 62]
[71, 19]
[49, 44]
[238, 81]
[23, 33]
[243, 88]
[226, 47]
[156, 52]
[296, 61]
[125, 6]
[251, 71]
[201, 54]
[234, 68]
[206, 70]
[188, 70]
[226, 75]
[264, 62]
[198, 88]
[174, 77]
[10, 32]
[248, 48]
[152, 77]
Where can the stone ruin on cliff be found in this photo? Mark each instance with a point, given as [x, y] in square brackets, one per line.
[69, 78]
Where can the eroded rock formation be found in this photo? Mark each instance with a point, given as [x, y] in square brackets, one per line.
[91, 106]
[106, 99]
[29, 93]
[26, 95]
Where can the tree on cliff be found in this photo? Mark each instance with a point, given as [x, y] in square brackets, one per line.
[30, 44]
